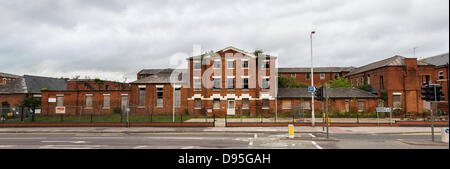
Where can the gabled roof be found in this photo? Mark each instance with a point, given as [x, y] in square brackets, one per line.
[231, 48]
[316, 69]
[437, 60]
[149, 71]
[8, 75]
[161, 77]
[392, 61]
[33, 84]
[332, 93]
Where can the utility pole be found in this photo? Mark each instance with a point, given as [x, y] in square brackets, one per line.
[312, 83]
[326, 105]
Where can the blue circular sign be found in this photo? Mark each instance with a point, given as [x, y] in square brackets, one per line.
[446, 130]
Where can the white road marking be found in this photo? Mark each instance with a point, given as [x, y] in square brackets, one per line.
[315, 144]
[70, 146]
[312, 135]
[187, 138]
[7, 146]
[81, 138]
[250, 143]
[75, 142]
[139, 147]
[24, 138]
[188, 147]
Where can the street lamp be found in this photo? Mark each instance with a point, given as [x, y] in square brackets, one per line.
[312, 83]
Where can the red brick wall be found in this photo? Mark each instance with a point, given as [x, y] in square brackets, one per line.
[75, 102]
[12, 99]
[301, 77]
[82, 85]
[334, 105]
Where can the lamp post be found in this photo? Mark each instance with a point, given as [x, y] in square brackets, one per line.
[312, 83]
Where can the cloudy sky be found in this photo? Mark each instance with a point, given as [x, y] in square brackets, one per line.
[113, 39]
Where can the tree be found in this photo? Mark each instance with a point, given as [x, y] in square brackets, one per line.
[289, 82]
[340, 82]
[365, 87]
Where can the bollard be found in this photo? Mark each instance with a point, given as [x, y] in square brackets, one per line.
[291, 131]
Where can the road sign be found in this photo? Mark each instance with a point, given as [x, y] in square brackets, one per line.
[446, 131]
[311, 89]
[384, 109]
[291, 131]
[60, 110]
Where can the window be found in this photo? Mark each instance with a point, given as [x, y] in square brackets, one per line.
[245, 64]
[441, 75]
[381, 83]
[230, 83]
[286, 104]
[177, 97]
[141, 97]
[197, 84]
[336, 75]
[265, 83]
[244, 83]
[357, 82]
[266, 64]
[368, 79]
[217, 64]
[361, 106]
[293, 75]
[197, 104]
[107, 87]
[4, 81]
[362, 81]
[308, 75]
[159, 97]
[216, 104]
[88, 100]
[347, 106]
[230, 64]
[397, 101]
[245, 103]
[265, 104]
[322, 76]
[305, 105]
[217, 83]
[197, 65]
[106, 101]
[59, 100]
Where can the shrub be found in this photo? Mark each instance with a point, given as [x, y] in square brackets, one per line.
[117, 110]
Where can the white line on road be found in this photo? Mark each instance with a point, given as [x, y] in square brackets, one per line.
[312, 135]
[81, 138]
[188, 147]
[7, 146]
[315, 144]
[75, 142]
[24, 138]
[70, 146]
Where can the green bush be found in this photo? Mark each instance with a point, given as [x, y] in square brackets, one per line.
[117, 110]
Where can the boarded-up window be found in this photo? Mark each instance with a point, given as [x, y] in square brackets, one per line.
[397, 101]
[197, 84]
[197, 104]
[141, 96]
[286, 104]
[230, 83]
[245, 103]
[177, 97]
[106, 100]
[306, 105]
[361, 106]
[265, 103]
[60, 100]
[216, 104]
[88, 100]
[347, 106]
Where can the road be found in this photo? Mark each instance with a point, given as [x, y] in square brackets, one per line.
[192, 140]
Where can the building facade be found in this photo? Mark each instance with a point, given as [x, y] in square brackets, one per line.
[322, 75]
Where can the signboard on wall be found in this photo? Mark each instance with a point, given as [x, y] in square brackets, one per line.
[60, 110]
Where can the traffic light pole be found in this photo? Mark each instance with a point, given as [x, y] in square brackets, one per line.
[432, 113]
[326, 105]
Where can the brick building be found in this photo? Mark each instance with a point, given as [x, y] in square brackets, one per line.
[27, 87]
[6, 78]
[322, 75]
[87, 96]
[341, 100]
[397, 77]
[440, 76]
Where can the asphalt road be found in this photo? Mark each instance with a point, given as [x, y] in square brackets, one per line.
[208, 141]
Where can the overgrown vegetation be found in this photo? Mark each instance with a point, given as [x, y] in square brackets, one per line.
[340, 82]
[290, 82]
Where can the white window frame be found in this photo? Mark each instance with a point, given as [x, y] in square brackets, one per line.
[441, 74]
[161, 103]
[228, 85]
[217, 61]
[91, 101]
[197, 86]
[322, 76]
[104, 101]
[214, 82]
[228, 63]
[197, 62]
[195, 105]
[246, 106]
[214, 104]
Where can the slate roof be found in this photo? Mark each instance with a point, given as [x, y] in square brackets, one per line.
[316, 69]
[149, 71]
[163, 76]
[437, 60]
[8, 75]
[392, 61]
[33, 84]
[332, 93]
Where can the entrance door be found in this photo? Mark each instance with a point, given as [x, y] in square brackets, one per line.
[231, 107]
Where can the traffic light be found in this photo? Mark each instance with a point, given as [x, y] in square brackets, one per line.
[426, 92]
[439, 94]
[319, 93]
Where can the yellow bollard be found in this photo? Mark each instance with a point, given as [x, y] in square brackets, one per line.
[291, 131]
